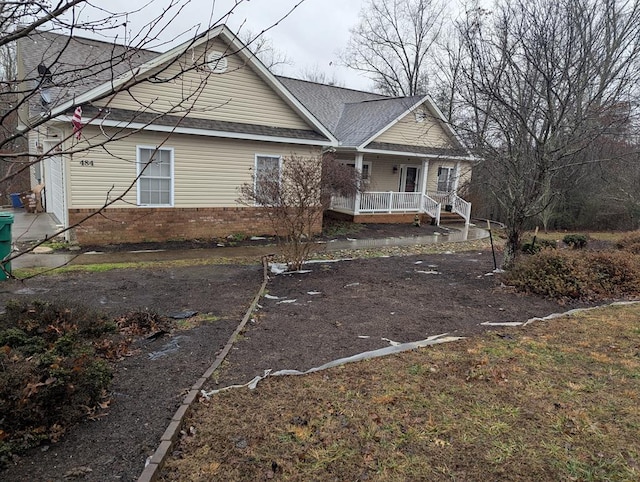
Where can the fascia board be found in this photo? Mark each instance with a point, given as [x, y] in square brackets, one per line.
[438, 112]
[417, 154]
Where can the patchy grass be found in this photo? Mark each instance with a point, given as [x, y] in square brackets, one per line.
[197, 320]
[557, 400]
[22, 273]
[333, 228]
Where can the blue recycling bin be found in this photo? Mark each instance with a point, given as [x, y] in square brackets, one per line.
[15, 200]
[6, 220]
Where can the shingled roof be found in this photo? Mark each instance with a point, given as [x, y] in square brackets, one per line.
[76, 64]
[352, 116]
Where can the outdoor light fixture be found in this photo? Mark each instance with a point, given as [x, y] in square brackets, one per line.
[395, 169]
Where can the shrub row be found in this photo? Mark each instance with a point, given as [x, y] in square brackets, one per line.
[585, 275]
[630, 243]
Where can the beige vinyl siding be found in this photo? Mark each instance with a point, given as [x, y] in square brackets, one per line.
[382, 176]
[465, 173]
[407, 131]
[238, 95]
[207, 171]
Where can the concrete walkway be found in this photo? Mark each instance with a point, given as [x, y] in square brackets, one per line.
[36, 227]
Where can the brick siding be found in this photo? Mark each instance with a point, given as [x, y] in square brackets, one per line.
[140, 225]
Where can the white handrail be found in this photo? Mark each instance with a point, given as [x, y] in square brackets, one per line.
[372, 202]
[432, 208]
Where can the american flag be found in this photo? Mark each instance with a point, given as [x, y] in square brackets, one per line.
[77, 122]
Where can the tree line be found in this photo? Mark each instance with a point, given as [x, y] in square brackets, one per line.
[543, 92]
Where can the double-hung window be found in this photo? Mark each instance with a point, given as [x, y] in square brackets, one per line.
[445, 179]
[155, 181]
[267, 179]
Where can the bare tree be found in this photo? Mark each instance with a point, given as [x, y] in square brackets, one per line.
[315, 74]
[543, 82]
[295, 195]
[394, 43]
[262, 47]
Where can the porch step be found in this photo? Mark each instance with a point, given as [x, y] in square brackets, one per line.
[447, 217]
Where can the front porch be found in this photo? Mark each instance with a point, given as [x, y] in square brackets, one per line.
[383, 204]
[397, 186]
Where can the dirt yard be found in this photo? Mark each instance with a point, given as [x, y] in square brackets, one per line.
[306, 319]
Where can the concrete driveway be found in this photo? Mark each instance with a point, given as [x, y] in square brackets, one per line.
[31, 227]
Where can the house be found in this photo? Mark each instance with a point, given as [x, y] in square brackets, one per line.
[159, 143]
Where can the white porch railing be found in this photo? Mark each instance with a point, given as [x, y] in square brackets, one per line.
[458, 205]
[403, 202]
[432, 208]
[389, 202]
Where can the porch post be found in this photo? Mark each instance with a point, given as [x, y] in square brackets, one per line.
[359, 158]
[425, 173]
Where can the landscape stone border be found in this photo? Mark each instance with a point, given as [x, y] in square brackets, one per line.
[172, 432]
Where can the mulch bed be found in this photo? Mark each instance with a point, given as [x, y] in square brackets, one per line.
[340, 309]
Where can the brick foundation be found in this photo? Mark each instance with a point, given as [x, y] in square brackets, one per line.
[394, 218]
[140, 225]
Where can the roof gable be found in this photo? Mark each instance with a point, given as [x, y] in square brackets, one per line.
[422, 125]
[362, 120]
[131, 74]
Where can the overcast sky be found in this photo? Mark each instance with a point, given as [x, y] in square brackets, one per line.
[311, 36]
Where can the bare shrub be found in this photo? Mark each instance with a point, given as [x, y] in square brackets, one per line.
[630, 243]
[585, 275]
[295, 195]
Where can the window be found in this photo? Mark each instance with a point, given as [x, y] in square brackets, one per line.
[366, 169]
[155, 182]
[445, 179]
[267, 170]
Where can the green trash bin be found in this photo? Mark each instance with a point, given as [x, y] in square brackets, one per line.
[6, 220]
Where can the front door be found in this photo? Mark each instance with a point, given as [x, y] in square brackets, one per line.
[410, 179]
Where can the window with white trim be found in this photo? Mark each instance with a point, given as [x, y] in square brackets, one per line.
[366, 169]
[155, 181]
[445, 179]
[267, 168]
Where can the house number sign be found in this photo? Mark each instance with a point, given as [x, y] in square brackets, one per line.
[86, 162]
